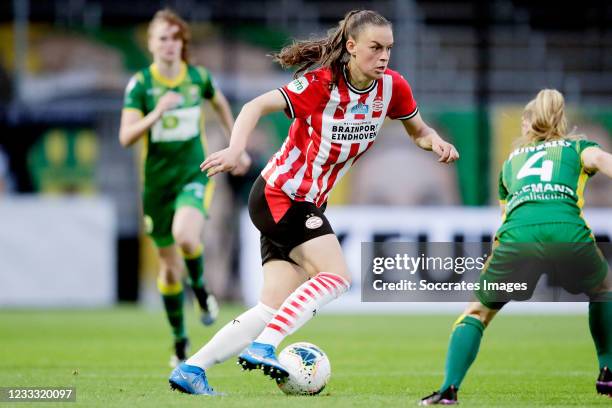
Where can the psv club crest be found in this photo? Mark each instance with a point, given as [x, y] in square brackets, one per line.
[377, 105]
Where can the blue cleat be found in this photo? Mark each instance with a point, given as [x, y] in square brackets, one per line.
[190, 380]
[260, 355]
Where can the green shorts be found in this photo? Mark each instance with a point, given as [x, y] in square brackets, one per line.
[159, 207]
[566, 252]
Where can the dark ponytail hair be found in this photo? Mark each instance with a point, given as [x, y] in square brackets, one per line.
[329, 51]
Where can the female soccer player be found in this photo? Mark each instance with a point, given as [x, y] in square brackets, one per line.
[163, 105]
[560, 164]
[338, 110]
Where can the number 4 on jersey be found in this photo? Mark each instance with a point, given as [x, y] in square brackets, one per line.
[528, 169]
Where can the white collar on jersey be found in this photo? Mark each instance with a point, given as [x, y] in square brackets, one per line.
[357, 90]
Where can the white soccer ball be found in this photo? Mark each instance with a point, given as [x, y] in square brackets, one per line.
[308, 366]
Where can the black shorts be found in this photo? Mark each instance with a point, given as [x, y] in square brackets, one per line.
[284, 223]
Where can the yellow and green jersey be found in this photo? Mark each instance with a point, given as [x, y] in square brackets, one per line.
[174, 146]
[543, 183]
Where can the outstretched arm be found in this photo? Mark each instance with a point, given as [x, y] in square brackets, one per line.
[227, 159]
[595, 159]
[428, 139]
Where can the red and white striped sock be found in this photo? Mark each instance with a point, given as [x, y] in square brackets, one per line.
[302, 305]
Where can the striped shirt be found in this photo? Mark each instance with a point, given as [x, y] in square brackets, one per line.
[332, 128]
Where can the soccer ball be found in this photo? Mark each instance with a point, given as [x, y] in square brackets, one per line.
[308, 366]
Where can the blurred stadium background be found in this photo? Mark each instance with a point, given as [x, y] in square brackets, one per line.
[70, 230]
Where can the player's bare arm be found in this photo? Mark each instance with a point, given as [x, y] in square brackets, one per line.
[595, 159]
[222, 109]
[134, 125]
[227, 159]
[428, 139]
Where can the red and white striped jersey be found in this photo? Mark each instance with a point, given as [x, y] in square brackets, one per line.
[333, 127]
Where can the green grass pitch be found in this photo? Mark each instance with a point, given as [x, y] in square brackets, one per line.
[118, 358]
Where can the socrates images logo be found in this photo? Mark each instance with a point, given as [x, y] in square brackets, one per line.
[298, 86]
[313, 222]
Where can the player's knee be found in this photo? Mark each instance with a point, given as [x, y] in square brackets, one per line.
[337, 268]
[602, 292]
[603, 289]
[606, 285]
[347, 278]
[340, 283]
[343, 270]
[274, 296]
[478, 315]
[188, 243]
[169, 272]
[271, 300]
[168, 278]
[480, 312]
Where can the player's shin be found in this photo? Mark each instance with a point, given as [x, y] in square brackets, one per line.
[302, 305]
[233, 337]
[600, 316]
[207, 303]
[172, 296]
[195, 269]
[462, 350]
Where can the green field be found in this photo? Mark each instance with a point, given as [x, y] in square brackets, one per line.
[118, 357]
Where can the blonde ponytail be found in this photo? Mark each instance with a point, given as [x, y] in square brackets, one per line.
[546, 112]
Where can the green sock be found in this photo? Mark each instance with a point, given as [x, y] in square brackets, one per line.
[600, 323]
[173, 296]
[195, 271]
[462, 350]
[195, 267]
